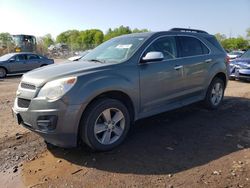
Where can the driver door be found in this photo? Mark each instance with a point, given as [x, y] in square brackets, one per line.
[19, 64]
[161, 82]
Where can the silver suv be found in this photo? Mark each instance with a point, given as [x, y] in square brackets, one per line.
[96, 99]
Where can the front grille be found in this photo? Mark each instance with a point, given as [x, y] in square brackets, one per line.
[28, 86]
[23, 103]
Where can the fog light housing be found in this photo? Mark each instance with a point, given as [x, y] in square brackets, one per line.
[47, 123]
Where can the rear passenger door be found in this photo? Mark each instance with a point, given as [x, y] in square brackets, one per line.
[33, 61]
[196, 59]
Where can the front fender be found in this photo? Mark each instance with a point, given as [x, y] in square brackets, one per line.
[90, 86]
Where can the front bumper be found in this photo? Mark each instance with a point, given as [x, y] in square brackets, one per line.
[57, 122]
[240, 73]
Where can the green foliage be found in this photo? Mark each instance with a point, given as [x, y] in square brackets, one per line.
[117, 32]
[5, 38]
[235, 43]
[87, 39]
[90, 38]
[47, 40]
[70, 38]
[81, 39]
[248, 32]
[122, 30]
[139, 30]
[6, 43]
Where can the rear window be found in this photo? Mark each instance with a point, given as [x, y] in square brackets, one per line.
[190, 46]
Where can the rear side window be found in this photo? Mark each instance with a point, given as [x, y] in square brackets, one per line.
[190, 46]
[31, 56]
[215, 43]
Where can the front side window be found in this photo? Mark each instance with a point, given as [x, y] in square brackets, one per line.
[191, 46]
[20, 58]
[115, 50]
[166, 45]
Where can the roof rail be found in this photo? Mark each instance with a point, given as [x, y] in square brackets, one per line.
[188, 30]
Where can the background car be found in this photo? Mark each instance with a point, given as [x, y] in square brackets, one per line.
[13, 63]
[235, 54]
[240, 67]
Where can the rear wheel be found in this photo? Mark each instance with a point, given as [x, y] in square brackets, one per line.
[2, 73]
[215, 93]
[105, 124]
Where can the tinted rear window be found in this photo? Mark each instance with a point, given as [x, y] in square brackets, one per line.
[191, 46]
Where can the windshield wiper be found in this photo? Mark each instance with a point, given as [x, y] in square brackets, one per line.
[97, 60]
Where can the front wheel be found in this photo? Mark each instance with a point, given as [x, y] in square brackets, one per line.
[105, 124]
[215, 93]
[2, 73]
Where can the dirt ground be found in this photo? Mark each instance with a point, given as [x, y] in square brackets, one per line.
[189, 147]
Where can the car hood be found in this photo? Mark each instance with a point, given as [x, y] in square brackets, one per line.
[40, 76]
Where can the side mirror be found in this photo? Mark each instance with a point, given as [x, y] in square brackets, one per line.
[153, 56]
[12, 60]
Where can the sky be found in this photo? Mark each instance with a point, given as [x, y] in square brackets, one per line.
[39, 17]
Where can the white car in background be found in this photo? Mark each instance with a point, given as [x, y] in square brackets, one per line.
[79, 55]
[235, 54]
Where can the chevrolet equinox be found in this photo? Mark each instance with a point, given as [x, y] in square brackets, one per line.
[97, 99]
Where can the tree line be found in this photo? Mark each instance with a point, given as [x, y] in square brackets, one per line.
[87, 39]
[234, 43]
[90, 38]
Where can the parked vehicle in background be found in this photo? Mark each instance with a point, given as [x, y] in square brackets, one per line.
[124, 79]
[240, 67]
[13, 63]
[79, 55]
[24, 43]
[235, 54]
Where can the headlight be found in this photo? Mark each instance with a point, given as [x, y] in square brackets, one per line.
[55, 89]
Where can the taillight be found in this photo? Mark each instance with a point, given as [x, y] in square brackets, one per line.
[227, 59]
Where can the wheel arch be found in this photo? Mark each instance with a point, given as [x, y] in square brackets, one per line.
[222, 76]
[114, 94]
[5, 69]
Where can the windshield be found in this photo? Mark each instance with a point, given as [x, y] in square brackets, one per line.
[246, 54]
[236, 53]
[115, 50]
[6, 57]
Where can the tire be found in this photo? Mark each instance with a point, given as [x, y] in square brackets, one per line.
[105, 124]
[215, 94]
[2, 73]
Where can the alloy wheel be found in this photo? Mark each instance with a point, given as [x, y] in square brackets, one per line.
[109, 126]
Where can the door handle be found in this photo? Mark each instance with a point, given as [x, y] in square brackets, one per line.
[208, 60]
[177, 67]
